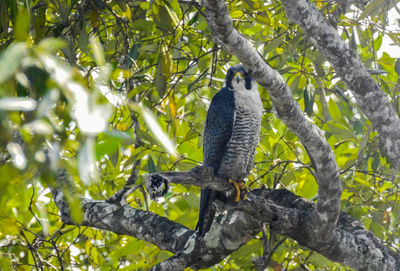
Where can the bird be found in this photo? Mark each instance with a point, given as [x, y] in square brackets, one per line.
[231, 136]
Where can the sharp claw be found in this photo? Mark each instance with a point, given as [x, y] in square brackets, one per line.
[238, 188]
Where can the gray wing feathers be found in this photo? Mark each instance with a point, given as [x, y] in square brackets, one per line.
[217, 133]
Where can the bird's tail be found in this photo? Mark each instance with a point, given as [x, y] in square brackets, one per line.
[207, 212]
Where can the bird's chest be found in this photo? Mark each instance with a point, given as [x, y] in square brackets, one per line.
[238, 157]
[247, 115]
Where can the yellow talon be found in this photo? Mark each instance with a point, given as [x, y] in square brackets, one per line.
[243, 190]
[240, 189]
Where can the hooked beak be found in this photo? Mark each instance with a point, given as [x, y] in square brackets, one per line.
[238, 76]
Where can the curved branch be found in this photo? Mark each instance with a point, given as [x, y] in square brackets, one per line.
[329, 189]
[123, 219]
[286, 213]
[371, 99]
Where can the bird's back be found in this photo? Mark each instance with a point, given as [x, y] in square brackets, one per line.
[217, 133]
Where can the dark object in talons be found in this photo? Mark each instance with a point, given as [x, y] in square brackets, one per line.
[156, 185]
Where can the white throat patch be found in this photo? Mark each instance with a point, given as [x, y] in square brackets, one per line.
[240, 86]
[247, 98]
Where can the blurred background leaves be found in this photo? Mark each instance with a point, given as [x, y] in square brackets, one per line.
[93, 86]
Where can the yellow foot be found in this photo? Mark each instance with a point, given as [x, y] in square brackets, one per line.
[240, 188]
[243, 191]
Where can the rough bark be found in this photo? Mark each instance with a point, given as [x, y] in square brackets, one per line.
[329, 186]
[286, 213]
[371, 99]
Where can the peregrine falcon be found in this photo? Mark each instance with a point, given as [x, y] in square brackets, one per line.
[231, 135]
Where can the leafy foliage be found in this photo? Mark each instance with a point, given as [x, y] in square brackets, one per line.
[93, 86]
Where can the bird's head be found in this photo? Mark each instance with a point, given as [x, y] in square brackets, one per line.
[238, 79]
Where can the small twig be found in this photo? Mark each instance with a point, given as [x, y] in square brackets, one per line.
[123, 193]
[33, 252]
[146, 202]
[30, 206]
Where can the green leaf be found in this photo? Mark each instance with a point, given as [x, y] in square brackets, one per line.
[377, 71]
[151, 167]
[375, 162]
[50, 45]
[160, 81]
[334, 111]
[308, 100]
[22, 25]
[107, 146]
[9, 226]
[353, 43]
[164, 18]
[10, 60]
[294, 85]
[166, 63]
[86, 162]
[397, 66]
[339, 129]
[97, 52]
[74, 204]
[13, 6]
[83, 40]
[378, 42]
[372, 8]
[274, 43]
[194, 18]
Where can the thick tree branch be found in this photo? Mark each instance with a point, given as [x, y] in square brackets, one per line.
[123, 219]
[323, 220]
[285, 212]
[371, 99]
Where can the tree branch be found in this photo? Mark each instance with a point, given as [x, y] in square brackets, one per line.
[371, 99]
[285, 212]
[123, 219]
[157, 184]
[329, 190]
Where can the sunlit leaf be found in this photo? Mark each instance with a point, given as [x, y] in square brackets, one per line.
[39, 127]
[158, 132]
[17, 154]
[86, 162]
[97, 51]
[10, 59]
[50, 45]
[17, 104]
